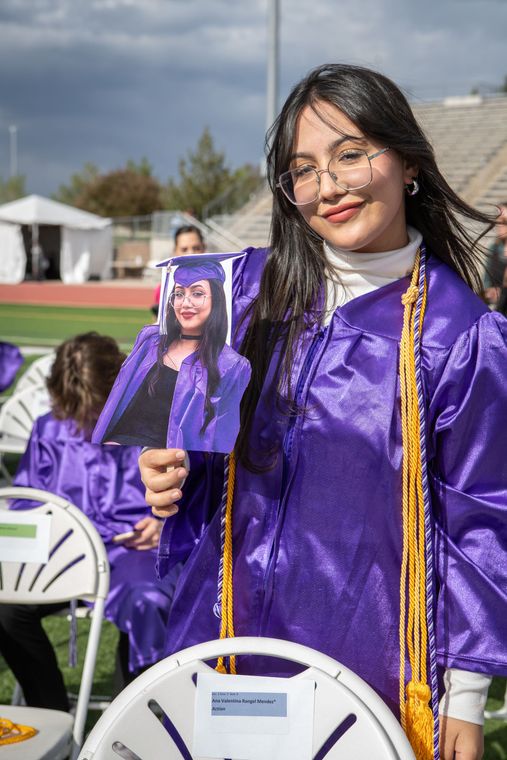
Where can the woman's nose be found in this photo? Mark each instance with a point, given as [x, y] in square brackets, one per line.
[328, 188]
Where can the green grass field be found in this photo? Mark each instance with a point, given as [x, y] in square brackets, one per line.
[27, 325]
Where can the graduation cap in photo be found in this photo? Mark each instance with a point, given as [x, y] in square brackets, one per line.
[185, 270]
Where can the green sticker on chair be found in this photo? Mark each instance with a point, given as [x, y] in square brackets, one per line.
[17, 530]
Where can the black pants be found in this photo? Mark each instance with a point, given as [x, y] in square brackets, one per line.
[29, 653]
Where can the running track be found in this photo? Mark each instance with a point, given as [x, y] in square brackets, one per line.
[121, 294]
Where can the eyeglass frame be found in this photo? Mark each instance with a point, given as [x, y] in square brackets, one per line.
[318, 172]
[189, 298]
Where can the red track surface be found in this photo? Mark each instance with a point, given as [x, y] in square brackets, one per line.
[120, 295]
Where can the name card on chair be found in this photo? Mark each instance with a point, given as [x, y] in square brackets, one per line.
[253, 717]
[24, 537]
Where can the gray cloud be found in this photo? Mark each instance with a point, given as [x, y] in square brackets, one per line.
[108, 80]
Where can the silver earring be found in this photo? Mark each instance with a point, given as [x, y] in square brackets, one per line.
[413, 187]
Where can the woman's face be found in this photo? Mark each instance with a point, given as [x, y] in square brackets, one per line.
[192, 306]
[368, 220]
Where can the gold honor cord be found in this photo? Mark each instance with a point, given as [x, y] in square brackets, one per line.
[415, 710]
[227, 611]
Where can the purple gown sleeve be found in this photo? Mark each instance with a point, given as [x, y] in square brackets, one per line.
[104, 484]
[10, 361]
[224, 427]
[468, 476]
[37, 468]
[201, 497]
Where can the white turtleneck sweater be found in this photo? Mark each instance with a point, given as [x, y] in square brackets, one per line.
[353, 274]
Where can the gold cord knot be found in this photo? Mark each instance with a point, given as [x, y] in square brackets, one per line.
[410, 295]
[419, 691]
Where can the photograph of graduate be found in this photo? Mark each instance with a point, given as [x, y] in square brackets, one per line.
[182, 384]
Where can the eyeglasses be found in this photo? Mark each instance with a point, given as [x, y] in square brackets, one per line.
[350, 170]
[197, 300]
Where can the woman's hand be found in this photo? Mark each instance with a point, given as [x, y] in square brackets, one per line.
[148, 530]
[460, 739]
[163, 475]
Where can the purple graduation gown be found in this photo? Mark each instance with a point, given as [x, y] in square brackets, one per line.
[10, 361]
[104, 482]
[188, 403]
[317, 539]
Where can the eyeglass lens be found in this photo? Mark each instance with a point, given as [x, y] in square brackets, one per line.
[194, 299]
[350, 171]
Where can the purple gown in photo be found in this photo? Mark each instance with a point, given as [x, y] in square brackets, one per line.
[104, 482]
[11, 360]
[317, 538]
[187, 410]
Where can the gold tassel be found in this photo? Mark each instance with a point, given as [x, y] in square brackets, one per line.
[419, 720]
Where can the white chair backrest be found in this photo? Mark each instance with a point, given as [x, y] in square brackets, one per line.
[20, 411]
[36, 374]
[350, 719]
[77, 566]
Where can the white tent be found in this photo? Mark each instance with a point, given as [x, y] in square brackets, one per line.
[85, 240]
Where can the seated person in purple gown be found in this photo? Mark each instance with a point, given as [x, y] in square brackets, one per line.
[104, 482]
[182, 385]
[10, 361]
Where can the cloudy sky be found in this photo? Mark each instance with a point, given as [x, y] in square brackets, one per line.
[108, 80]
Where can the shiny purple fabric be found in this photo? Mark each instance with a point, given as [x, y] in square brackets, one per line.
[10, 361]
[317, 539]
[104, 482]
[188, 403]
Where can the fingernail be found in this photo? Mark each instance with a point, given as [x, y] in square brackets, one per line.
[175, 494]
[173, 511]
[181, 472]
[180, 455]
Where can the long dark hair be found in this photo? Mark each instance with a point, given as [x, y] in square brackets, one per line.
[295, 268]
[211, 344]
[82, 376]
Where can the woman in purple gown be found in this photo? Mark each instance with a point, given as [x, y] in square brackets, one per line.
[181, 387]
[104, 483]
[364, 227]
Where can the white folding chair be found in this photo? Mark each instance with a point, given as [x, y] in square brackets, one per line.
[17, 416]
[36, 374]
[350, 719]
[77, 568]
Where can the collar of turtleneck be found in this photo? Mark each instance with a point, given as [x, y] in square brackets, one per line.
[353, 274]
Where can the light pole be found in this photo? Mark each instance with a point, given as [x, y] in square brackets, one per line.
[273, 63]
[13, 131]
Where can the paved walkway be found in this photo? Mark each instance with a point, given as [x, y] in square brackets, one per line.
[131, 294]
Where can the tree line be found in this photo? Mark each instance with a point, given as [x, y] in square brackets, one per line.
[204, 178]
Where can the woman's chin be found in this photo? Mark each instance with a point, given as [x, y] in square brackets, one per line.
[190, 328]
